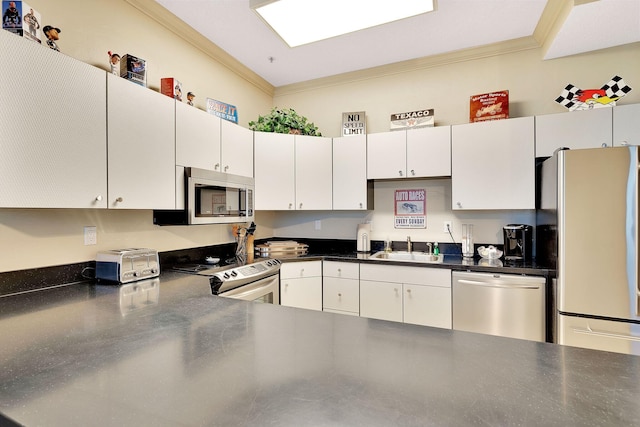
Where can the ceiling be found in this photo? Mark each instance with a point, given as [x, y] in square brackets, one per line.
[561, 28]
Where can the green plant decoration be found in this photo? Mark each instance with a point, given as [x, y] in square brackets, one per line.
[284, 120]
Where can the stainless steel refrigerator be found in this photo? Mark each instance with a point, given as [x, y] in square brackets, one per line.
[588, 218]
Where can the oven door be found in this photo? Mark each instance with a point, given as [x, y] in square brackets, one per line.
[266, 290]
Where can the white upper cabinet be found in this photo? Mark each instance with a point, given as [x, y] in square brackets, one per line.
[351, 190]
[313, 172]
[626, 125]
[141, 147]
[53, 128]
[387, 155]
[575, 129]
[493, 165]
[293, 172]
[415, 153]
[237, 149]
[429, 152]
[197, 138]
[274, 171]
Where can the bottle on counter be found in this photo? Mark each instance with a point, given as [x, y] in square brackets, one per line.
[436, 249]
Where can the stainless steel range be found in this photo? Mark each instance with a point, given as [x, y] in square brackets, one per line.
[258, 281]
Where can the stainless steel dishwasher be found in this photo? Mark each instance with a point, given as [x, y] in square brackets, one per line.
[507, 305]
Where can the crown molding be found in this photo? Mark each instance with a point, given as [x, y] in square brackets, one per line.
[172, 23]
[495, 49]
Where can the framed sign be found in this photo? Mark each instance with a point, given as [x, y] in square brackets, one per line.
[353, 124]
[410, 208]
[224, 111]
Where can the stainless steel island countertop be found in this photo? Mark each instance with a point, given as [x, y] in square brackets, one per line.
[171, 354]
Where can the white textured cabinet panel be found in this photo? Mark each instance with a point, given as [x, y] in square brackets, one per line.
[351, 190]
[53, 128]
[341, 294]
[274, 171]
[429, 152]
[575, 129]
[313, 172]
[626, 125]
[381, 300]
[402, 274]
[301, 293]
[197, 138]
[493, 165]
[237, 149]
[427, 305]
[301, 269]
[141, 146]
[386, 155]
[343, 270]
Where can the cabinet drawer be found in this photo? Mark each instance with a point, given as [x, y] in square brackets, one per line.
[341, 294]
[295, 270]
[401, 274]
[345, 270]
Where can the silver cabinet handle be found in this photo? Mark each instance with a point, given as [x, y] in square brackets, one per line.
[590, 331]
[400, 173]
[217, 166]
[413, 172]
[408, 291]
[290, 205]
[226, 168]
[459, 204]
[361, 205]
[98, 198]
[300, 205]
[119, 200]
[339, 295]
[497, 284]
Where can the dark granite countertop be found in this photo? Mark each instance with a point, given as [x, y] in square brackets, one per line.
[453, 262]
[168, 353]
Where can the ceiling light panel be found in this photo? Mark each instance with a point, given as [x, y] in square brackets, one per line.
[300, 22]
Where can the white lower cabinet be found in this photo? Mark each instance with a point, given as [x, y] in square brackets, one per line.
[417, 295]
[341, 287]
[301, 285]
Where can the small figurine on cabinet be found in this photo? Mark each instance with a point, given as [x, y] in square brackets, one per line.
[114, 63]
[190, 97]
[52, 34]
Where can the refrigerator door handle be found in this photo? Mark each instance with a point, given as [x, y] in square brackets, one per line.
[497, 284]
[589, 331]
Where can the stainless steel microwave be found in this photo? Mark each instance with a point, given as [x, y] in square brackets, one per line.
[211, 198]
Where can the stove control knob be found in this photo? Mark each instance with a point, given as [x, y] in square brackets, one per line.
[234, 273]
[226, 275]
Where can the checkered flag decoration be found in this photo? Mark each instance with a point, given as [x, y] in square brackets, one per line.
[573, 98]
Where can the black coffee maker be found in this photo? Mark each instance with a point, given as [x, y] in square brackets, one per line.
[517, 242]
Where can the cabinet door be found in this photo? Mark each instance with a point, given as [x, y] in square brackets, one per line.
[381, 300]
[341, 294]
[141, 146]
[626, 125]
[301, 293]
[274, 171]
[301, 269]
[427, 305]
[387, 155]
[493, 165]
[237, 149]
[429, 152]
[351, 190]
[313, 173]
[575, 129]
[53, 128]
[197, 138]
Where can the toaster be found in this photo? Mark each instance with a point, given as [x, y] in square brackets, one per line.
[127, 265]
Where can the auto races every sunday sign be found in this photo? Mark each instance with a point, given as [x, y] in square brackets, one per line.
[410, 209]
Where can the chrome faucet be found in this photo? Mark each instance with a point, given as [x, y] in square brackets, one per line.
[429, 248]
[409, 245]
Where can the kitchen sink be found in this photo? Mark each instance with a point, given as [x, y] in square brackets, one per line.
[408, 256]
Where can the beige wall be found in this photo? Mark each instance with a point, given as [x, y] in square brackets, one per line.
[533, 85]
[38, 237]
